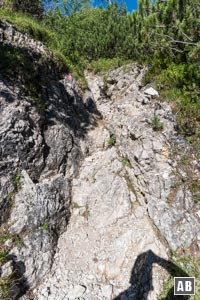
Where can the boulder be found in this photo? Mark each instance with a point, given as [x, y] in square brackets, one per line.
[151, 92]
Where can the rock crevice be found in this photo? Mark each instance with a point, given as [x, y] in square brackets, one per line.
[89, 184]
[124, 205]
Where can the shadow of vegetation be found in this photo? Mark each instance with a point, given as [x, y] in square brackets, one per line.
[67, 106]
[141, 283]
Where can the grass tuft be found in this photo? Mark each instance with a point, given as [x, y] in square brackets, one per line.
[157, 124]
[112, 141]
[185, 265]
[45, 226]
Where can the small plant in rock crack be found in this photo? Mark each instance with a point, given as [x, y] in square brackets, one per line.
[86, 213]
[17, 180]
[196, 197]
[7, 285]
[9, 197]
[45, 226]
[198, 155]
[157, 124]
[184, 159]
[93, 179]
[112, 141]
[3, 257]
[4, 237]
[18, 240]
[195, 189]
[175, 185]
[125, 161]
[105, 85]
[75, 205]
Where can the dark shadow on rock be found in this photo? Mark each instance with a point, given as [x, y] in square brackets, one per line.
[70, 109]
[59, 100]
[44, 98]
[19, 284]
[141, 277]
[7, 96]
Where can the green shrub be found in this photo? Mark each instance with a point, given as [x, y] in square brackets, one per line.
[105, 64]
[29, 25]
[176, 74]
[34, 8]
[179, 84]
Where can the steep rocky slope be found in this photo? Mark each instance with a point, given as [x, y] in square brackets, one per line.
[93, 185]
[40, 146]
[126, 200]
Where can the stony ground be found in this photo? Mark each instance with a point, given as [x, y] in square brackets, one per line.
[126, 204]
[96, 187]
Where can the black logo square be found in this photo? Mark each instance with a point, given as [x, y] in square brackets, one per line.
[184, 286]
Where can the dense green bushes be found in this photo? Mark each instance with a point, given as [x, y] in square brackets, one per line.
[168, 39]
[33, 8]
[93, 33]
[30, 25]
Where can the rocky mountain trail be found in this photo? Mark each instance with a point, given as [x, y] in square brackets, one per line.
[40, 150]
[125, 202]
[96, 187]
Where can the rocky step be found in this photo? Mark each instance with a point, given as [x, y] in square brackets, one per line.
[126, 215]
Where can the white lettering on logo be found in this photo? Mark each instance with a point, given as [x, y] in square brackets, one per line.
[180, 287]
[188, 286]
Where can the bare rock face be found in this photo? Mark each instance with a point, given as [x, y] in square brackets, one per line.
[127, 212]
[92, 197]
[148, 154]
[151, 92]
[10, 36]
[42, 143]
[39, 214]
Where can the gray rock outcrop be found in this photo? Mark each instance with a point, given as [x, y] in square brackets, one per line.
[41, 147]
[124, 200]
[90, 183]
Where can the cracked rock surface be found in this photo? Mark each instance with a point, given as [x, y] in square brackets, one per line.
[41, 148]
[92, 190]
[123, 199]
